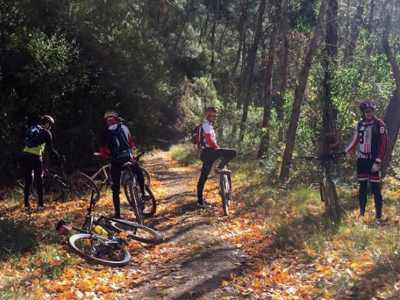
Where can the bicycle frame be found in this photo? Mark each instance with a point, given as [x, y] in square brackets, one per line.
[328, 192]
[103, 172]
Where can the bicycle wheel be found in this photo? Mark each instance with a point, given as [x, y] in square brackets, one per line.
[225, 191]
[136, 231]
[147, 178]
[99, 249]
[20, 187]
[131, 190]
[82, 186]
[53, 188]
[150, 204]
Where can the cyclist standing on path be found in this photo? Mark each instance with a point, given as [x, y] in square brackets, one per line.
[37, 138]
[370, 141]
[210, 152]
[119, 145]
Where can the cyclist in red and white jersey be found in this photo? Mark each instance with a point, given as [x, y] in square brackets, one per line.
[210, 152]
[369, 141]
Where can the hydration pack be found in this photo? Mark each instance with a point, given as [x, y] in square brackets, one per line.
[198, 136]
[33, 137]
[119, 145]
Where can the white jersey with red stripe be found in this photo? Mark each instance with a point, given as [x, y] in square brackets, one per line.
[363, 139]
[209, 136]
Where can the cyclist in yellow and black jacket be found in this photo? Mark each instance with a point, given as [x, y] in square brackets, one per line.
[37, 138]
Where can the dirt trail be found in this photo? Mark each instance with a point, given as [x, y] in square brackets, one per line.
[198, 259]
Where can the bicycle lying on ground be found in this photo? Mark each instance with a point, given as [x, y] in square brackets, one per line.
[327, 187]
[103, 239]
[58, 185]
[143, 207]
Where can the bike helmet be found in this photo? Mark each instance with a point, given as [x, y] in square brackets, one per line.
[366, 105]
[110, 114]
[48, 119]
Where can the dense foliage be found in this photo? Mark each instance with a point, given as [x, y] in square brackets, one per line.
[161, 62]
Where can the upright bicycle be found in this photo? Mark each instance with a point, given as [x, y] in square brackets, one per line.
[58, 185]
[225, 189]
[327, 187]
[143, 207]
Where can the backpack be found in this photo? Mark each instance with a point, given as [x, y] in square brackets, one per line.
[33, 137]
[119, 145]
[198, 136]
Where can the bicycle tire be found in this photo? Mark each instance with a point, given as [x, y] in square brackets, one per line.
[147, 177]
[75, 239]
[132, 195]
[82, 186]
[150, 204]
[53, 188]
[20, 187]
[225, 190]
[136, 231]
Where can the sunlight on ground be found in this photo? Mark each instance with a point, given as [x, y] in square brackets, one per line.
[292, 251]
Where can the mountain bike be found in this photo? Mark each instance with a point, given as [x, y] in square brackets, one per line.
[58, 185]
[148, 207]
[225, 189]
[103, 239]
[327, 187]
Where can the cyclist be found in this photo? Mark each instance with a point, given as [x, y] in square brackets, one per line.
[210, 152]
[37, 138]
[370, 140]
[119, 145]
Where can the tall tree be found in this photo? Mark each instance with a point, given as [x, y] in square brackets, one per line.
[329, 116]
[299, 95]
[354, 32]
[283, 66]
[245, 99]
[269, 63]
[392, 113]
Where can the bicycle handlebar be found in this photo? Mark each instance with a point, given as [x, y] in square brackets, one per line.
[135, 158]
[324, 157]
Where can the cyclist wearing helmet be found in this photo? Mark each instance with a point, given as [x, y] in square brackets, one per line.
[119, 145]
[210, 152]
[37, 138]
[369, 141]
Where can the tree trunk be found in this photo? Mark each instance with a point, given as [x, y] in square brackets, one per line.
[241, 30]
[250, 68]
[370, 26]
[392, 113]
[329, 131]
[283, 68]
[354, 33]
[265, 135]
[213, 44]
[299, 96]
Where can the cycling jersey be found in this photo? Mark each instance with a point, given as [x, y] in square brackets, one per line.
[118, 143]
[369, 140]
[36, 140]
[209, 137]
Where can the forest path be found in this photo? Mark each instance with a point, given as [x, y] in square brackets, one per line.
[194, 260]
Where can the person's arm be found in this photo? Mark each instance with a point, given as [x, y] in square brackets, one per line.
[129, 137]
[50, 144]
[383, 142]
[353, 144]
[104, 150]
